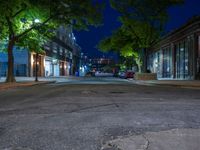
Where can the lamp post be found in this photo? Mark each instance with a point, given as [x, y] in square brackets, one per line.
[36, 67]
[34, 22]
[36, 58]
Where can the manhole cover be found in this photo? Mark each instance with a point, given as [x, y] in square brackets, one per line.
[88, 92]
[117, 92]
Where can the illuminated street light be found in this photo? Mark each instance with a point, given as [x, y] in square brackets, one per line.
[37, 21]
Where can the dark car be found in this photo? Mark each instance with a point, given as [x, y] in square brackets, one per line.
[127, 74]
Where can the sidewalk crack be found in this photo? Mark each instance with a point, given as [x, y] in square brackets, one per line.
[146, 146]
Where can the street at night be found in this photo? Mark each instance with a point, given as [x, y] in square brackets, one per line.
[99, 75]
[99, 114]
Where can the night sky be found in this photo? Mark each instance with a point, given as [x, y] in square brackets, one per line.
[178, 15]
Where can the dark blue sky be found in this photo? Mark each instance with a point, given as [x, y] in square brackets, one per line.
[178, 15]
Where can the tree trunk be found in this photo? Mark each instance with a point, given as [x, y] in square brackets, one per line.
[139, 68]
[139, 64]
[145, 60]
[10, 74]
[36, 67]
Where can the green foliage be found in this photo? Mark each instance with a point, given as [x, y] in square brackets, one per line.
[26, 23]
[117, 42]
[142, 33]
[127, 51]
[151, 11]
[144, 19]
[18, 18]
[121, 42]
[142, 25]
[122, 67]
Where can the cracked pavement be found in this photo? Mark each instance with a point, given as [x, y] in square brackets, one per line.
[99, 116]
[174, 139]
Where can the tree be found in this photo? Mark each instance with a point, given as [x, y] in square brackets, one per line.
[123, 43]
[35, 41]
[144, 19]
[20, 17]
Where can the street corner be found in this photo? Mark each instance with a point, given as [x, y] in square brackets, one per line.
[175, 139]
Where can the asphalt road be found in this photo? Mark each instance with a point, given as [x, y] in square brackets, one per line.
[72, 116]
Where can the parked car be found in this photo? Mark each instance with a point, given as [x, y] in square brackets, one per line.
[122, 74]
[127, 74]
[103, 74]
[130, 74]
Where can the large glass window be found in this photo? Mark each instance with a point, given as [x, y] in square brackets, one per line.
[167, 62]
[182, 63]
[159, 63]
[186, 62]
[3, 68]
[198, 59]
[199, 46]
[20, 70]
[190, 48]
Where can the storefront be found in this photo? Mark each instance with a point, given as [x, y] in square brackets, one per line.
[55, 67]
[177, 56]
[21, 62]
[182, 60]
[48, 68]
[51, 67]
[39, 63]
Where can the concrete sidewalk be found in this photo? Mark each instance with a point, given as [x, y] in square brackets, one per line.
[175, 139]
[173, 83]
[5, 86]
[32, 79]
[25, 81]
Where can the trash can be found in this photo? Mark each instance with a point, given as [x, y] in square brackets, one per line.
[77, 74]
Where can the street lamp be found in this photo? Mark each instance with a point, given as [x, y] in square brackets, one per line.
[37, 55]
[27, 24]
[37, 21]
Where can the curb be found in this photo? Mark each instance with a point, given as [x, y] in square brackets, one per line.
[24, 84]
[177, 85]
[43, 83]
[165, 84]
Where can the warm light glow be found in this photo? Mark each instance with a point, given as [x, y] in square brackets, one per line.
[32, 60]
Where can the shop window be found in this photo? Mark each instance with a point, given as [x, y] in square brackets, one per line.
[167, 62]
[182, 60]
[3, 68]
[20, 70]
[198, 59]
